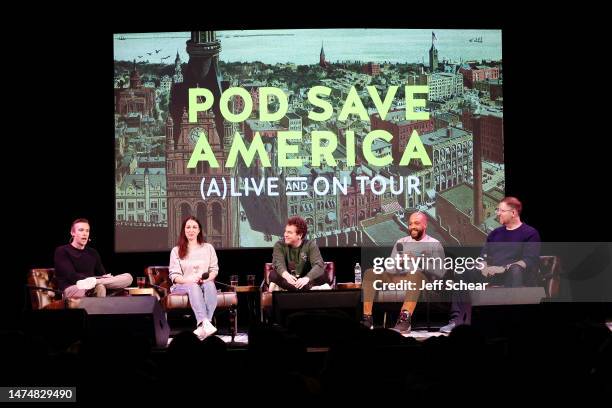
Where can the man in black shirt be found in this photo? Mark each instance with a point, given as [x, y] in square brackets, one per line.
[511, 258]
[78, 269]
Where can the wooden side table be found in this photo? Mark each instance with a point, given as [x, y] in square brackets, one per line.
[246, 289]
[251, 293]
[135, 291]
[348, 285]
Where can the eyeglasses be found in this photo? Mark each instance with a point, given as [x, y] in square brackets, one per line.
[499, 210]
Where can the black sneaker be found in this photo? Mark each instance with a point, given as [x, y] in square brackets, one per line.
[367, 321]
[403, 322]
[449, 327]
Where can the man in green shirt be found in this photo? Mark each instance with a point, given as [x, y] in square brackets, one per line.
[298, 264]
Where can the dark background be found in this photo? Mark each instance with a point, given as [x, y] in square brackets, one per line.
[59, 162]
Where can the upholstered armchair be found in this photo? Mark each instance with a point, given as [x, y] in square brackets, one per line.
[266, 294]
[43, 290]
[158, 277]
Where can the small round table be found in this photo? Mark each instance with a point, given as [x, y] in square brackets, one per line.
[348, 285]
[252, 299]
[135, 291]
[245, 289]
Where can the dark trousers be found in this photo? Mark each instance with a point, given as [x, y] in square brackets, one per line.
[280, 281]
[461, 307]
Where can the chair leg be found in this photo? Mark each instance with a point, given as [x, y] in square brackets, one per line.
[427, 311]
[266, 316]
[233, 314]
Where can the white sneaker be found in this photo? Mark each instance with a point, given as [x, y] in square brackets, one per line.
[87, 283]
[210, 329]
[200, 331]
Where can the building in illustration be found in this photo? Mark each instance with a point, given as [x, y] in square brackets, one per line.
[322, 62]
[455, 214]
[355, 206]
[252, 87]
[371, 68]
[433, 55]
[492, 87]
[488, 123]
[475, 73]
[292, 121]
[446, 119]
[319, 211]
[442, 85]
[450, 150]
[401, 129]
[425, 195]
[219, 217]
[165, 84]
[140, 199]
[178, 70]
[136, 98]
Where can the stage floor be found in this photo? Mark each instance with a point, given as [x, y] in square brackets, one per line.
[242, 339]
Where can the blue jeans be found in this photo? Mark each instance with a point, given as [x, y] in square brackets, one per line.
[203, 298]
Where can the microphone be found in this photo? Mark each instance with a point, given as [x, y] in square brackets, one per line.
[161, 289]
[157, 287]
[399, 247]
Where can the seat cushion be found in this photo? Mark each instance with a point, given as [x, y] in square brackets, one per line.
[181, 301]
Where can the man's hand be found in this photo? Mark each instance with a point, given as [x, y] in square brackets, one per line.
[492, 270]
[289, 278]
[300, 283]
[106, 275]
[520, 263]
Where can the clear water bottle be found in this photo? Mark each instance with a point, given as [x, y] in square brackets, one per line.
[357, 273]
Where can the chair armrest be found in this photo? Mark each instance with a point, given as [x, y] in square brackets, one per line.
[56, 291]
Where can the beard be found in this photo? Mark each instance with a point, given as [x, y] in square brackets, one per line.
[416, 234]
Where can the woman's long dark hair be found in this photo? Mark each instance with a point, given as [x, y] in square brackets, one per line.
[183, 242]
